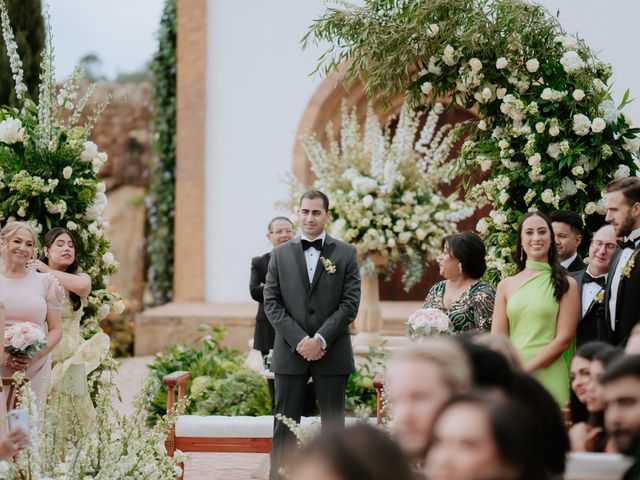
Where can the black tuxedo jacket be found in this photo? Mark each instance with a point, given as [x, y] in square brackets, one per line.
[327, 306]
[577, 265]
[627, 301]
[263, 335]
[592, 325]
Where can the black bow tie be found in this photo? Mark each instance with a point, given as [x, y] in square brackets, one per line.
[317, 244]
[627, 244]
[601, 280]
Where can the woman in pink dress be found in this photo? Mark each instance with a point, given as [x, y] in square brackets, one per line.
[28, 296]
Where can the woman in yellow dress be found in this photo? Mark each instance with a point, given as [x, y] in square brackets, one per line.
[74, 358]
[538, 307]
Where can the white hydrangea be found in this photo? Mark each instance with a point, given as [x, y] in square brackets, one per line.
[503, 197]
[568, 42]
[598, 125]
[568, 187]
[482, 226]
[404, 237]
[609, 111]
[547, 196]
[108, 258]
[578, 95]
[571, 62]
[11, 131]
[501, 63]
[378, 206]
[623, 171]
[364, 185]
[553, 150]
[499, 218]
[581, 124]
[532, 65]
[552, 95]
[89, 151]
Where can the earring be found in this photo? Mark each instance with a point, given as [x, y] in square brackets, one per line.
[460, 267]
[521, 255]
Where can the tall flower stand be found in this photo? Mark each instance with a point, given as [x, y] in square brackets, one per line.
[369, 320]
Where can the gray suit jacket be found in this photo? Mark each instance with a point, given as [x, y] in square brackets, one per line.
[327, 306]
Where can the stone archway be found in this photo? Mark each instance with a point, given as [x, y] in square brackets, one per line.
[324, 107]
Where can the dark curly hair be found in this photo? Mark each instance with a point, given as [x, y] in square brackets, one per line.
[49, 239]
[558, 273]
[469, 249]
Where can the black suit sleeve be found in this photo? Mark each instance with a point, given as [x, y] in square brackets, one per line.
[338, 323]
[256, 280]
[276, 312]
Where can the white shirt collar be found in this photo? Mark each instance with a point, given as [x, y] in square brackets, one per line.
[569, 260]
[634, 236]
[322, 237]
[605, 275]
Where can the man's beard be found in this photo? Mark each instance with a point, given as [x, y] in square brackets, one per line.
[626, 227]
[627, 441]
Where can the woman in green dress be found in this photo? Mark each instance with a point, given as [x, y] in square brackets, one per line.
[463, 296]
[538, 307]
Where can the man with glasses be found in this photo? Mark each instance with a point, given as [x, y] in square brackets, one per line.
[591, 285]
[280, 230]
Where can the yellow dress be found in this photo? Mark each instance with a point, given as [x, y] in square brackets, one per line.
[74, 358]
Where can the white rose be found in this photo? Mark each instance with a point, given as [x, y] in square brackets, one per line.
[66, 172]
[482, 125]
[391, 242]
[553, 150]
[89, 151]
[578, 95]
[101, 187]
[108, 258]
[426, 88]
[503, 144]
[378, 206]
[535, 159]
[590, 208]
[500, 93]
[482, 226]
[421, 234]
[475, 64]
[554, 130]
[404, 237]
[367, 201]
[486, 93]
[501, 63]
[11, 131]
[569, 43]
[547, 196]
[533, 65]
[540, 127]
[577, 171]
[598, 85]
[22, 212]
[632, 144]
[598, 125]
[486, 164]
[503, 197]
[571, 62]
[72, 226]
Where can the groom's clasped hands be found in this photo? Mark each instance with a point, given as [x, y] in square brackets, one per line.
[310, 349]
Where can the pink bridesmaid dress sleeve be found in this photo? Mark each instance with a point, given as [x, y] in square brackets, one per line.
[54, 292]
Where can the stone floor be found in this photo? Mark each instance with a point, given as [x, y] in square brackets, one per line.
[203, 466]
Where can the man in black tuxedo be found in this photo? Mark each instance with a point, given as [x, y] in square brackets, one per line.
[567, 228]
[280, 230]
[311, 296]
[591, 284]
[622, 299]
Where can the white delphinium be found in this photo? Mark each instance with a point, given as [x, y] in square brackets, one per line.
[12, 52]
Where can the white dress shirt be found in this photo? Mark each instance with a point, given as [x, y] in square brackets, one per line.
[625, 255]
[311, 257]
[569, 260]
[589, 292]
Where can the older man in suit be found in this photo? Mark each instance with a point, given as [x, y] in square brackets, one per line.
[622, 198]
[279, 231]
[311, 296]
[591, 285]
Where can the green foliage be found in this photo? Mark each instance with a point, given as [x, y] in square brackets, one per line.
[360, 391]
[160, 187]
[218, 383]
[28, 28]
[548, 130]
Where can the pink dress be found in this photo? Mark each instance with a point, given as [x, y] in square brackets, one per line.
[28, 299]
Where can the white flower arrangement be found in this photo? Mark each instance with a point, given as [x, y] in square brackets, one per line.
[384, 190]
[427, 322]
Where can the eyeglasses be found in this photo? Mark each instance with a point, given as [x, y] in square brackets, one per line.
[598, 244]
[281, 231]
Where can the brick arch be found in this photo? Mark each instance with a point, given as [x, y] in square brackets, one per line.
[324, 107]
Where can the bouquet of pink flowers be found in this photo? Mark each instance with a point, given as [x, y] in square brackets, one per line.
[427, 322]
[24, 339]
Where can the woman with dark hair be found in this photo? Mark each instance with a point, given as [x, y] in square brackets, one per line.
[360, 452]
[463, 296]
[539, 306]
[580, 376]
[590, 436]
[73, 357]
[483, 437]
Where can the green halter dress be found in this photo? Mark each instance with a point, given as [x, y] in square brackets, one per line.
[532, 311]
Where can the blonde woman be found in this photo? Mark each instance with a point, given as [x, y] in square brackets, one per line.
[28, 296]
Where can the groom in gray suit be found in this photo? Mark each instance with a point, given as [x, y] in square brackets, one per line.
[311, 296]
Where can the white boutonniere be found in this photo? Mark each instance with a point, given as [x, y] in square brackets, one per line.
[329, 266]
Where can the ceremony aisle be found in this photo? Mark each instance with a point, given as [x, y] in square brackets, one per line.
[203, 466]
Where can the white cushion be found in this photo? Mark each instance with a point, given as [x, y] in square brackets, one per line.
[602, 466]
[220, 426]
